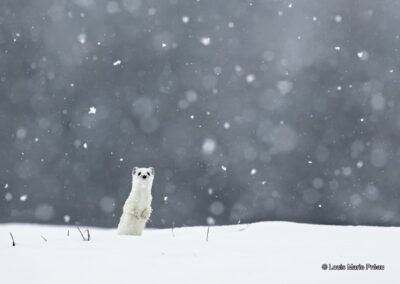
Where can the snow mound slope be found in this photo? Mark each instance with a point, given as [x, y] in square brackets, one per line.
[267, 252]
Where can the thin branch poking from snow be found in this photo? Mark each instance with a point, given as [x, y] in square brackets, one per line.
[44, 239]
[83, 237]
[88, 234]
[172, 229]
[67, 233]
[208, 231]
[12, 237]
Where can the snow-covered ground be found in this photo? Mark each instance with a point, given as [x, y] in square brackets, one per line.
[267, 252]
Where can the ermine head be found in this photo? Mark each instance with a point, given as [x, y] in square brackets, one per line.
[143, 176]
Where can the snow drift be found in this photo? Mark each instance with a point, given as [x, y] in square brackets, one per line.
[268, 252]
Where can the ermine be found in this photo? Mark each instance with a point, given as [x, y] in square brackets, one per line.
[137, 208]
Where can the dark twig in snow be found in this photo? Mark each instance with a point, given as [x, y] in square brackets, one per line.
[67, 233]
[208, 231]
[172, 229]
[12, 237]
[44, 239]
[88, 234]
[83, 237]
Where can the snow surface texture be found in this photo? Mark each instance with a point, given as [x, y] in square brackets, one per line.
[273, 252]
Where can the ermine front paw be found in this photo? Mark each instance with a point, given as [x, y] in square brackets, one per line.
[145, 214]
[136, 214]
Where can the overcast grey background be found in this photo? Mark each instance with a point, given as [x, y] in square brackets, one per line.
[248, 110]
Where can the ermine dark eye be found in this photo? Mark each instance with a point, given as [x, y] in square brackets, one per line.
[139, 174]
[148, 173]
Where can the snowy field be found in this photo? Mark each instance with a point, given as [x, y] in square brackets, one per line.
[268, 252]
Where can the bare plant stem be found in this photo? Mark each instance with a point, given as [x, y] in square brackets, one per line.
[88, 234]
[172, 229]
[67, 233]
[44, 239]
[12, 237]
[83, 237]
[208, 231]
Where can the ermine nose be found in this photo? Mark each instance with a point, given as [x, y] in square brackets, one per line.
[144, 177]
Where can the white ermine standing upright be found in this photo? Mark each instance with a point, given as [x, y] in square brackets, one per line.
[137, 208]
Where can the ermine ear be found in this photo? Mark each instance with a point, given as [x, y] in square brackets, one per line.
[152, 170]
[134, 170]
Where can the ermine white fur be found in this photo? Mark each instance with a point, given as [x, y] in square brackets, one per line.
[137, 208]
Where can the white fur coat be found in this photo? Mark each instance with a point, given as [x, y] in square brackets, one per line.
[137, 209]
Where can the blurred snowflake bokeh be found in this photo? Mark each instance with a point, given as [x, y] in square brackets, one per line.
[248, 110]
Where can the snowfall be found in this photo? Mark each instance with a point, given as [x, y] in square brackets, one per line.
[266, 252]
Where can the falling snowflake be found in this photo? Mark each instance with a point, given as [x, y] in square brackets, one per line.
[210, 220]
[205, 41]
[185, 19]
[85, 145]
[118, 62]
[250, 78]
[82, 38]
[23, 198]
[363, 55]
[284, 87]
[92, 110]
[346, 171]
[338, 18]
[223, 168]
[253, 172]
[209, 146]
[8, 196]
